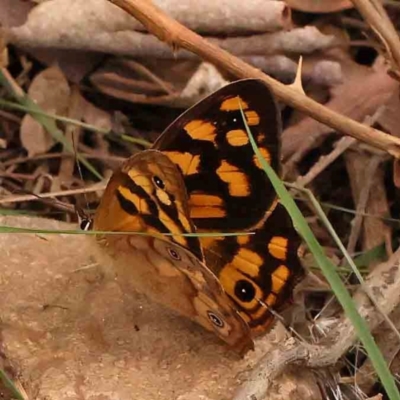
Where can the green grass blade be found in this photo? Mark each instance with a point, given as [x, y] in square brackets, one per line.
[16, 229]
[10, 385]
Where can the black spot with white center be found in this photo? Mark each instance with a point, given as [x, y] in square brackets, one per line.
[174, 254]
[159, 182]
[215, 319]
[244, 291]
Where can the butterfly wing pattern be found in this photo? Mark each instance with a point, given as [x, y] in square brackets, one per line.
[147, 194]
[229, 191]
[202, 174]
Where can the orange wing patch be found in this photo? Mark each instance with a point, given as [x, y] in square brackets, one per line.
[237, 138]
[243, 239]
[201, 130]
[248, 262]
[252, 118]
[265, 154]
[233, 104]
[188, 163]
[279, 278]
[237, 180]
[206, 206]
[277, 247]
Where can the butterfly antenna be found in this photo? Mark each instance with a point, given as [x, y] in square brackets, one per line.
[51, 202]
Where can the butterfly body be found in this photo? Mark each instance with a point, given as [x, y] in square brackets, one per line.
[202, 175]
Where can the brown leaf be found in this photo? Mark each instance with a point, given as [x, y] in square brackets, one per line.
[95, 116]
[33, 137]
[390, 117]
[361, 93]
[50, 90]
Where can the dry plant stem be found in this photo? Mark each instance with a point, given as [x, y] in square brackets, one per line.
[9, 116]
[375, 231]
[141, 69]
[176, 35]
[376, 16]
[384, 282]
[72, 134]
[59, 155]
[120, 87]
[324, 161]
[28, 197]
[369, 173]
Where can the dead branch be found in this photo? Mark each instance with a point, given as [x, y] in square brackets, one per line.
[176, 35]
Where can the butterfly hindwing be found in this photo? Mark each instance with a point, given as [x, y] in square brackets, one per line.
[258, 271]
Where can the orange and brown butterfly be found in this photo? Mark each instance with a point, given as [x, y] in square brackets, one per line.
[202, 174]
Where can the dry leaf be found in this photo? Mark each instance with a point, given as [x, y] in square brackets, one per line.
[95, 116]
[98, 25]
[82, 21]
[361, 93]
[14, 12]
[33, 137]
[390, 117]
[50, 90]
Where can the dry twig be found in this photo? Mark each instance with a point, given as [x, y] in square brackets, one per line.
[176, 35]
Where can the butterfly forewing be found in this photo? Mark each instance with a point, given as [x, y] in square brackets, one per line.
[147, 194]
[228, 190]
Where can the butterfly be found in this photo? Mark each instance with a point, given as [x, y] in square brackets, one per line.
[202, 175]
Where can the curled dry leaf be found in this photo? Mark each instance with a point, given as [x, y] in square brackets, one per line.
[97, 25]
[320, 6]
[50, 90]
[90, 18]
